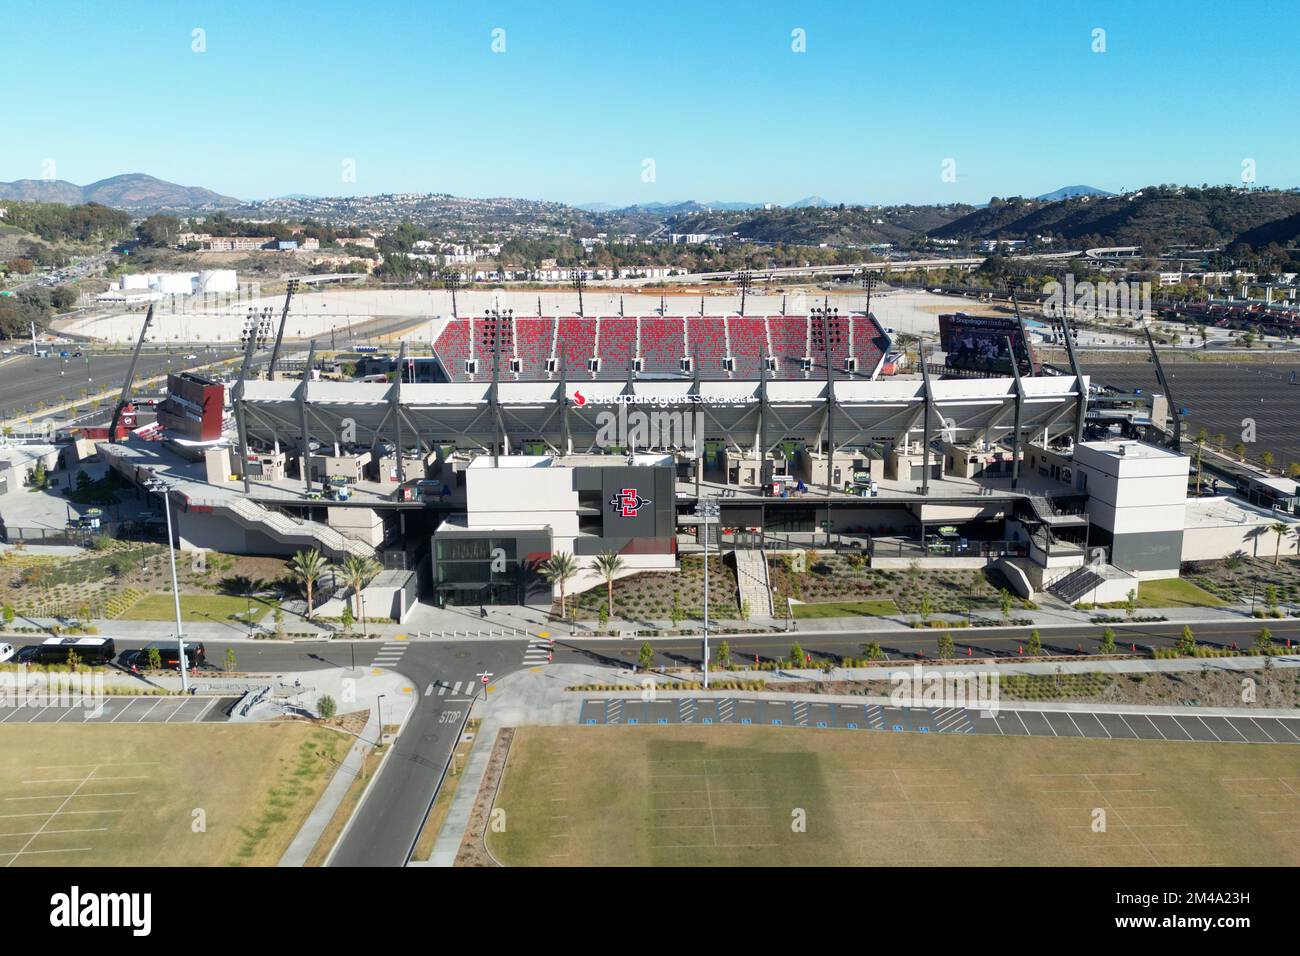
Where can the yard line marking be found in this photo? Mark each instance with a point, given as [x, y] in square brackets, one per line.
[47, 813]
[33, 837]
[72, 766]
[78, 830]
[15, 855]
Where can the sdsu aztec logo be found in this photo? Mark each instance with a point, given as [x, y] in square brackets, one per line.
[627, 502]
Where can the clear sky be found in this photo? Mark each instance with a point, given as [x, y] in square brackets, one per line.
[712, 92]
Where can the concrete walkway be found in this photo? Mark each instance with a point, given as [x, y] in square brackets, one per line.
[314, 826]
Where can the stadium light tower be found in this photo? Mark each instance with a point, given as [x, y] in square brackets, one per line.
[870, 279]
[451, 280]
[709, 512]
[500, 338]
[163, 487]
[744, 279]
[578, 279]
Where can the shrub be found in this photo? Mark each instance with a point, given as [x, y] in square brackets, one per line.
[326, 707]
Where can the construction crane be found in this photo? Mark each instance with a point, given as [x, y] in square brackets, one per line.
[130, 378]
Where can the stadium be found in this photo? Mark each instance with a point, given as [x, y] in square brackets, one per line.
[517, 438]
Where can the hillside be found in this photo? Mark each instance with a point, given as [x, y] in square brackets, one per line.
[134, 192]
[1150, 218]
[834, 225]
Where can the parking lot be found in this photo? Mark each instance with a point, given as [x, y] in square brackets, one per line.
[1134, 725]
[119, 710]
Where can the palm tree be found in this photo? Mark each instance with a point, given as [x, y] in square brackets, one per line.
[308, 567]
[558, 569]
[1201, 438]
[608, 565]
[1279, 528]
[357, 570]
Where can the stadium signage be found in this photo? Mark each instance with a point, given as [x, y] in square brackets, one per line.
[660, 401]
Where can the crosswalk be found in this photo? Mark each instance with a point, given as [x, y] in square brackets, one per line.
[390, 653]
[460, 690]
[538, 652]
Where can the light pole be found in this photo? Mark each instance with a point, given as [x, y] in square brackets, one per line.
[159, 485]
[578, 278]
[451, 280]
[379, 709]
[744, 280]
[706, 511]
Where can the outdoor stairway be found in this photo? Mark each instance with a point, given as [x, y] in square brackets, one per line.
[293, 530]
[1046, 512]
[1073, 586]
[751, 581]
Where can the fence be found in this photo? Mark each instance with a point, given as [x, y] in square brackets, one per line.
[83, 537]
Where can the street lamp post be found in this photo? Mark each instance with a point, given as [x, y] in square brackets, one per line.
[379, 709]
[181, 661]
[707, 510]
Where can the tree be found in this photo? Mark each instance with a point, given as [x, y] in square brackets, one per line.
[1107, 640]
[1267, 459]
[874, 651]
[796, 654]
[231, 661]
[1005, 601]
[558, 569]
[1130, 602]
[724, 655]
[646, 655]
[154, 657]
[357, 571]
[1239, 449]
[1035, 643]
[7, 612]
[926, 606]
[1278, 528]
[609, 565]
[946, 646]
[74, 659]
[346, 617]
[326, 707]
[308, 567]
[1264, 641]
[278, 617]
[159, 230]
[1187, 641]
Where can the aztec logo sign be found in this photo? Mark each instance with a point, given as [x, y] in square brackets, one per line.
[628, 502]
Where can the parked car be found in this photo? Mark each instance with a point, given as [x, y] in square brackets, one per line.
[6, 652]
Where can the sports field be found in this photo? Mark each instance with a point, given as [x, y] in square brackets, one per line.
[717, 795]
[158, 794]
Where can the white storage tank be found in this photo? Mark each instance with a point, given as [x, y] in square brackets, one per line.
[176, 283]
[218, 280]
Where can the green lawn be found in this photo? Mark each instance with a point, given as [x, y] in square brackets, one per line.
[140, 789]
[194, 607]
[691, 795]
[1175, 592]
[873, 608]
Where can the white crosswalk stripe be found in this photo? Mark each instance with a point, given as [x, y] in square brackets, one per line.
[390, 653]
[538, 651]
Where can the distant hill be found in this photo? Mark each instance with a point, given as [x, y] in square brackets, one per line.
[134, 192]
[810, 202]
[814, 225]
[1072, 192]
[1150, 218]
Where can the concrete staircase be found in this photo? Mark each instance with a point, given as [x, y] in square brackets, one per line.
[282, 527]
[752, 583]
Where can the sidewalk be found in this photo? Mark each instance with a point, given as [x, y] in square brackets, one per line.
[426, 621]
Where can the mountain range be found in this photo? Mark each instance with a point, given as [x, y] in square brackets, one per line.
[133, 192]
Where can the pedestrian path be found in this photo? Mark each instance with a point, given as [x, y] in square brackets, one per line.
[390, 653]
[539, 651]
[460, 690]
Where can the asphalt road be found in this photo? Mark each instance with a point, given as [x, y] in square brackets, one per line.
[27, 381]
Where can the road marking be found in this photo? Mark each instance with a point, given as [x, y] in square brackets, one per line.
[428, 690]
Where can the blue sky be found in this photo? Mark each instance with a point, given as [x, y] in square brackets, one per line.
[711, 92]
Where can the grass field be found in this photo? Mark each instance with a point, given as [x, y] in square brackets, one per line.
[1175, 592]
[130, 794]
[736, 795]
[874, 608]
[194, 607]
